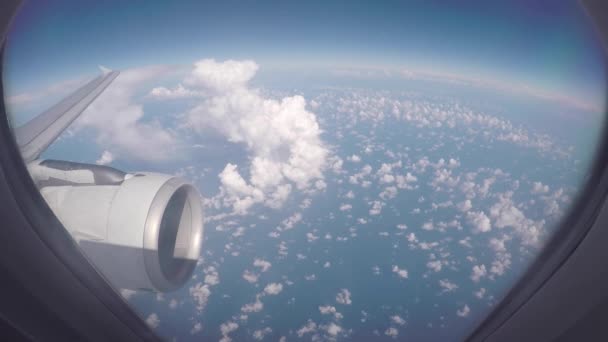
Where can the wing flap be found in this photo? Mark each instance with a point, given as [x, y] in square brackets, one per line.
[36, 135]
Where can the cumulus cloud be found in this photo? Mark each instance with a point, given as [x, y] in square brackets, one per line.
[434, 265]
[309, 327]
[153, 321]
[256, 306]
[479, 221]
[539, 188]
[343, 297]
[273, 288]
[250, 276]
[263, 264]
[506, 214]
[211, 276]
[465, 206]
[391, 332]
[226, 329]
[447, 286]
[345, 207]
[200, 294]
[127, 294]
[478, 272]
[333, 329]
[179, 92]
[480, 293]
[354, 158]
[259, 334]
[106, 158]
[401, 272]
[282, 136]
[120, 123]
[464, 312]
[223, 76]
[330, 310]
[398, 320]
[376, 208]
[198, 327]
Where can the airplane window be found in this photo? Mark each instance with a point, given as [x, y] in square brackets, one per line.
[312, 170]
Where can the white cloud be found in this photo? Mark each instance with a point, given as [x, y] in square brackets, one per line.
[479, 271]
[464, 312]
[173, 304]
[106, 158]
[127, 294]
[465, 206]
[212, 279]
[480, 293]
[120, 122]
[506, 214]
[256, 306]
[447, 286]
[500, 264]
[327, 309]
[539, 188]
[226, 329]
[330, 310]
[404, 182]
[398, 320]
[263, 264]
[211, 276]
[391, 332]
[282, 137]
[179, 92]
[480, 221]
[310, 327]
[354, 158]
[389, 193]
[333, 329]
[345, 207]
[428, 225]
[260, 333]
[222, 77]
[434, 265]
[250, 276]
[311, 237]
[198, 327]
[291, 221]
[343, 297]
[401, 272]
[153, 321]
[376, 208]
[200, 294]
[273, 288]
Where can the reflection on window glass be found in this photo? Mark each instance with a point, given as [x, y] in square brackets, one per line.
[367, 171]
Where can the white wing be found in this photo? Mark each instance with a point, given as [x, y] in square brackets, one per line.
[36, 135]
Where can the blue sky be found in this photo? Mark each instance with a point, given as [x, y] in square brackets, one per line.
[543, 44]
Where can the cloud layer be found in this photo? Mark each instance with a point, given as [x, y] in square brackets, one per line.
[281, 136]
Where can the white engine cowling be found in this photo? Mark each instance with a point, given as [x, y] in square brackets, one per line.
[142, 232]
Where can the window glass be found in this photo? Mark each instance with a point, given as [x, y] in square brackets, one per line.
[362, 170]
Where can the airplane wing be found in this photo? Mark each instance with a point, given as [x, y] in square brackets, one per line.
[37, 134]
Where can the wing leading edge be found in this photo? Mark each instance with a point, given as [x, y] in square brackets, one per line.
[36, 135]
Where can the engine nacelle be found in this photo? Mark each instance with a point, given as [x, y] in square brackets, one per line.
[142, 230]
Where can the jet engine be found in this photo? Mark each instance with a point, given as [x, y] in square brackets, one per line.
[141, 230]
